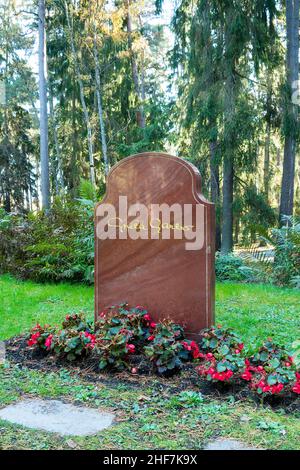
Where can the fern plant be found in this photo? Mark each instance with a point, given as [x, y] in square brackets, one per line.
[286, 243]
[87, 193]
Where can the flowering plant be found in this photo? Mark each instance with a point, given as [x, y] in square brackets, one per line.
[271, 371]
[77, 321]
[41, 337]
[296, 385]
[165, 351]
[192, 350]
[121, 319]
[114, 351]
[221, 354]
[123, 331]
[76, 338]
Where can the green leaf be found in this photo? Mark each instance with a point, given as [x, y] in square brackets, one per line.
[224, 349]
[272, 379]
[72, 343]
[263, 356]
[221, 367]
[114, 330]
[213, 343]
[274, 363]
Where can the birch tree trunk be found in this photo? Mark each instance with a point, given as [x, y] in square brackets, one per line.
[100, 108]
[44, 157]
[292, 70]
[57, 173]
[82, 98]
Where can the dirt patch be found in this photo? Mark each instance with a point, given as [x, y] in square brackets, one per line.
[18, 352]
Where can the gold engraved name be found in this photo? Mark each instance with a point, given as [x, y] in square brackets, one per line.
[155, 224]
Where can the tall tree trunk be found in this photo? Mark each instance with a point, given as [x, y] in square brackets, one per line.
[266, 176]
[140, 114]
[74, 170]
[236, 229]
[7, 203]
[6, 133]
[100, 108]
[82, 98]
[44, 157]
[267, 161]
[228, 171]
[227, 213]
[142, 87]
[215, 189]
[292, 70]
[57, 173]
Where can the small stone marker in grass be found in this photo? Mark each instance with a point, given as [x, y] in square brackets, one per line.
[56, 416]
[154, 241]
[227, 444]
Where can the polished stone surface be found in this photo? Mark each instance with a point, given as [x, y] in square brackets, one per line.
[160, 274]
[56, 416]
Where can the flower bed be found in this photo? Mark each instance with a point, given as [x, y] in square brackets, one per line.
[123, 332]
[271, 371]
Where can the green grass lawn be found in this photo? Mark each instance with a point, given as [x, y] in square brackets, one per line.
[147, 416]
[159, 416]
[255, 311]
[23, 304]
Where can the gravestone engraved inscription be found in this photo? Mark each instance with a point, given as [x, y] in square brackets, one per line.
[154, 241]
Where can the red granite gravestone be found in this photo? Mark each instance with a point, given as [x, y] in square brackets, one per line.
[154, 241]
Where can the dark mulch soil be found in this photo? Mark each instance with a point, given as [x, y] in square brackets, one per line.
[18, 352]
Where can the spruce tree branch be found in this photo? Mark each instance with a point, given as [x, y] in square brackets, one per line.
[252, 80]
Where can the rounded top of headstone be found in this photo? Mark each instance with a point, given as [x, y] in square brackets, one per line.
[151, 171]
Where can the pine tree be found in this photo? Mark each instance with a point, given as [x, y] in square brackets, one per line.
[291, 109]
[214, 40]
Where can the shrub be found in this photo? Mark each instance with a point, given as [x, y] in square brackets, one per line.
[221, 357]
[270, 371]
[286, 242]
[232, 268]
[55, 246]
